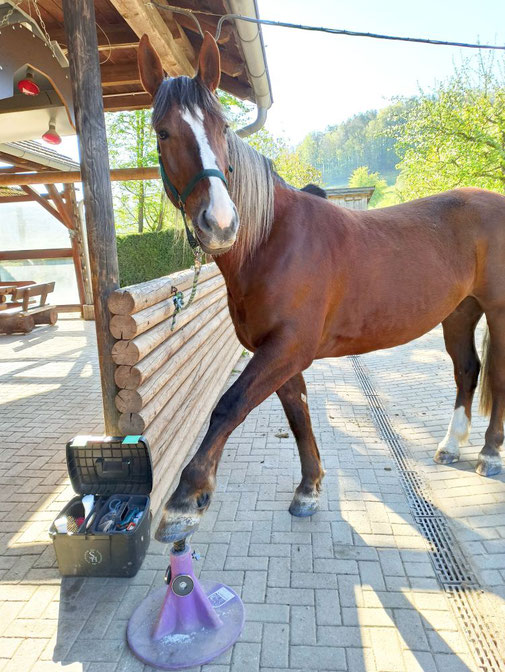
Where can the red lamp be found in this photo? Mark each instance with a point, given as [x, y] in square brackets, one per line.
[51, 136]
[28, 86]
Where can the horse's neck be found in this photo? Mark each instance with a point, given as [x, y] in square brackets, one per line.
[238, 271]
[230, 267]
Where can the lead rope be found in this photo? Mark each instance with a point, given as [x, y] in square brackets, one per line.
[178, 298]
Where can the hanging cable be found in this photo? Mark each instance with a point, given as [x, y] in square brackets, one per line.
[320, 29]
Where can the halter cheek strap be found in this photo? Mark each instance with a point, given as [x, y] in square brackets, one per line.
[181, 199]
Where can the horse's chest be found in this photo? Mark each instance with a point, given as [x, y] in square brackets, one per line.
[238, 316]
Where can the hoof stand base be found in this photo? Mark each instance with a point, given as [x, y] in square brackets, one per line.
[187, 624]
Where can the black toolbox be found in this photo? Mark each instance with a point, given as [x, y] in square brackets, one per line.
[113, 538]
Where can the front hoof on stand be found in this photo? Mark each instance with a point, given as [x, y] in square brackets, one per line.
[303, 506]
[445, 457]
[489, 465]
[176, 526]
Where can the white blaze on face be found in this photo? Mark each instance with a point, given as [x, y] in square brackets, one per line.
[221, 206]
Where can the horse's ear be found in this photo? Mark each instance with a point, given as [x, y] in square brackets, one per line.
[150, 68]
[209, 63]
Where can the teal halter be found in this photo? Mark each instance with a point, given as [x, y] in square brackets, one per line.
[180, 202]
[180, 199]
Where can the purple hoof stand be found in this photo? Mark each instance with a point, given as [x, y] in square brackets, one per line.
[187, 624]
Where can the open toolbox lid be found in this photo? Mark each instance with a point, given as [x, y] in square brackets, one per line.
[107, 465]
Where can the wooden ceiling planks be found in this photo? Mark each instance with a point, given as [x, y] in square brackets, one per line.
[119, 23]
[145, 18]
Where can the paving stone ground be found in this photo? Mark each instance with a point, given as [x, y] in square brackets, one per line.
[353, 588]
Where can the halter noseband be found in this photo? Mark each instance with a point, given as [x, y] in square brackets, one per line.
[180, 199]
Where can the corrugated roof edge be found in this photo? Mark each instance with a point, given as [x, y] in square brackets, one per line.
[33, 151]
[333, 191]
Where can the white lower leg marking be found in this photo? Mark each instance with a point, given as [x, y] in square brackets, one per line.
[220, 204]
[458, 431]
[304, 398]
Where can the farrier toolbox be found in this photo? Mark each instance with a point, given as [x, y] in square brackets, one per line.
[105, 530]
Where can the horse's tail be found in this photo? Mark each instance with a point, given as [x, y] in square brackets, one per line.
[485, 383]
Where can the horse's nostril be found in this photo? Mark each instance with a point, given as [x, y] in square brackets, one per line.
[202, 500]
[206, 221]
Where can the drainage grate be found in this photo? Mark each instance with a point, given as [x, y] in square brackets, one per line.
[465, 602]
[452, 569]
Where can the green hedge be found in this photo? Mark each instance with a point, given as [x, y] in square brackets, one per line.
[144, 256]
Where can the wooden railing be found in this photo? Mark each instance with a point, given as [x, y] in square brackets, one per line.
[170, 380]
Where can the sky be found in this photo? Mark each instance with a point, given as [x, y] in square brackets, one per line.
[319, 80]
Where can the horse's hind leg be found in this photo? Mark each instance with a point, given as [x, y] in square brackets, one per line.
[493, 393]
[459, 330]
[293, 396]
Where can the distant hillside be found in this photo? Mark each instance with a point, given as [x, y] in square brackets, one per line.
[362, 140]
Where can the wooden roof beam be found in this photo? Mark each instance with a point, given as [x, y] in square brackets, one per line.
[126, 101]
[116, 37]
[16, 199]
[42, 201]
[61, 206]
[143, 18]
[119, 75]
[180, 36]
[21, 163]
[11, 169]
[72, 176]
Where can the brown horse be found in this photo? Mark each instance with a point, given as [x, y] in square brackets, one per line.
[308, 280]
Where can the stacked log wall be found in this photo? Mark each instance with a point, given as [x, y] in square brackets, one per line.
[169, 380]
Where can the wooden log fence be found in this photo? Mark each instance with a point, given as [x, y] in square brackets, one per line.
[169, 380]
[130, 326]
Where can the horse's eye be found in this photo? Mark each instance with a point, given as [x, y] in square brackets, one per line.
[226, 127]
[162, 135]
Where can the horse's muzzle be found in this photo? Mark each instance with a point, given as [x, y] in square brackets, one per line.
[213, 238]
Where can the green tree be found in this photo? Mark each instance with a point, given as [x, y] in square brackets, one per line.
[140, 205]
[455, 134]
[361, 177]
[290, 164]
[360, 140]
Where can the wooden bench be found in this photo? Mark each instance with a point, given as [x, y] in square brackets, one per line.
[7, 290]
[22, 313]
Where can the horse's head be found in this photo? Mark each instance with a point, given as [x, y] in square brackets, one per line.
[191, 131]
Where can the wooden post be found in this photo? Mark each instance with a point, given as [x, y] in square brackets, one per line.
[80, 30]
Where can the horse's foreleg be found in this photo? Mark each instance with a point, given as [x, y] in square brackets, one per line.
[273, 363]
[293, 396]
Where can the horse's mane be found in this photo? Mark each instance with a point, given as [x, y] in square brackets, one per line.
[251, 184]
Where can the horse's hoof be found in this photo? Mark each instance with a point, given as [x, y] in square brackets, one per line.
[444, 457]
[176, 527]
[488, 465]
[304, 506]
